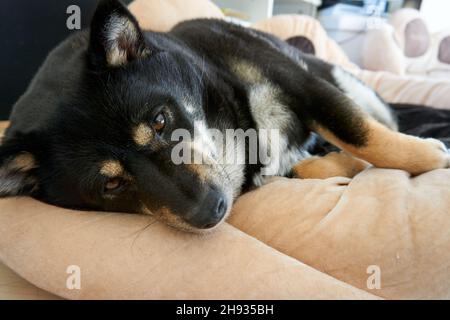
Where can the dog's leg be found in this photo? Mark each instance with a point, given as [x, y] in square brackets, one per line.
[389, 149]
[343, 123]
[334, 164]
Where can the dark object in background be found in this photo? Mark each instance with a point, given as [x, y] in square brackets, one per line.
[406, 3]
[303, 44]
[415, 120]
[424, 122]
[412, 4]
[30, 29]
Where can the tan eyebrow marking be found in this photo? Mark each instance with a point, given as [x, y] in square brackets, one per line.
[142, 134]
[201, 171]
[246, 71]
[111, 168]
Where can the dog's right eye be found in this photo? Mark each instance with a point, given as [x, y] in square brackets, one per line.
[159, 122]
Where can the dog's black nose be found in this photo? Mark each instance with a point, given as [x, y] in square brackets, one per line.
[211, 211]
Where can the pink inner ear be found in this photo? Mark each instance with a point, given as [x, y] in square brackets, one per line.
[417, 39]
[444, 50]
[303, 44]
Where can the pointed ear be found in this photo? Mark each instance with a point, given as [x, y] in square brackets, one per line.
[17, 170]
[115, 37]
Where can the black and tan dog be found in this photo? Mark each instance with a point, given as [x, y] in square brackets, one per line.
[94, 129]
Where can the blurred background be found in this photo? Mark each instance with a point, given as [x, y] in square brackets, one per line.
[30, 29]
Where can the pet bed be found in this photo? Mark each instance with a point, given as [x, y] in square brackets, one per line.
[382, 234]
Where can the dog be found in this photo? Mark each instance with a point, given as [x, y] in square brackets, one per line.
[94, 129]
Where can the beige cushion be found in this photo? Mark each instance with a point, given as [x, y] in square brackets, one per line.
[134, 257]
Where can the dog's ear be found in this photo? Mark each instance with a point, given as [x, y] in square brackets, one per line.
[116, 38]
[17, 169]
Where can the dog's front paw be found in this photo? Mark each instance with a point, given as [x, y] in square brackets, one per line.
[442, 149]
[438, 144]
[432, 154]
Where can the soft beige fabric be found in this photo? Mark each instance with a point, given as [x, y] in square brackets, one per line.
[286, 26]
[381, 218]
[407, 89]
[160, 15]
[133, 257]
[381, 52]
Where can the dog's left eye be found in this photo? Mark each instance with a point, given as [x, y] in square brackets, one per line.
[159, 122]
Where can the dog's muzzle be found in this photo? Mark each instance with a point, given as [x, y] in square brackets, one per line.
[210, 212]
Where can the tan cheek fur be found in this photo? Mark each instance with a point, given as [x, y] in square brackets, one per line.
[122, 35]
[389, 149]
[246, 72]
[111, 168]
[166, 216]
[199, 171]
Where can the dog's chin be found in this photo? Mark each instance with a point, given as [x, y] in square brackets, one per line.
[181, 225]
[190, 229]
[176, 222]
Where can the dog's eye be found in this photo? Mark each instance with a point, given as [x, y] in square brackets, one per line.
[159, 122]
[114, 185]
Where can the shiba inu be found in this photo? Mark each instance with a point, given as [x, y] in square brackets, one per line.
[94, 130]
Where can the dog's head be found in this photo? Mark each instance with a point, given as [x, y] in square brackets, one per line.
[107, 141]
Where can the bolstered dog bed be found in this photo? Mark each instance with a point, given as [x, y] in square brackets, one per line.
[383, 234]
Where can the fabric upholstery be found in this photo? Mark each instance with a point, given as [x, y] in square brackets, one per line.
[290, 239]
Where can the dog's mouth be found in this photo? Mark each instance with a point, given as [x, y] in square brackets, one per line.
[202, 221]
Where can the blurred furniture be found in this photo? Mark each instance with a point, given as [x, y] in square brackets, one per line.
[3, 125]
[304, 7]
[347, 22]
[406, 46]
[30, 29]
[248, 10]
[386, 5]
